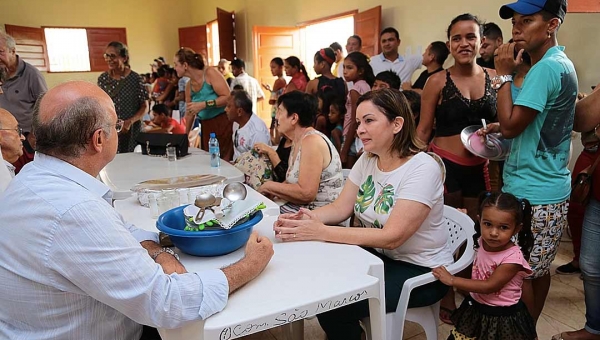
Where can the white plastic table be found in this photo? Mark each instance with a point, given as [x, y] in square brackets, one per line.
[129, 169]
[303, 279]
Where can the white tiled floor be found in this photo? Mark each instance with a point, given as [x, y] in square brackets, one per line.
[564, 309]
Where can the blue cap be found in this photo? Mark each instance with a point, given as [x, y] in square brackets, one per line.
[213, 135]
[527, 7]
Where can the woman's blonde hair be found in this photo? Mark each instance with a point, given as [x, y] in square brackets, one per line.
[393, 104]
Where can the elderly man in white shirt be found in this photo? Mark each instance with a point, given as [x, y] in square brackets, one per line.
[71, 267]
[248, 83]
[248, 128]
[390, 60]
[11, 140]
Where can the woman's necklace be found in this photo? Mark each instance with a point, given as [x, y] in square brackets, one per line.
[394, 163]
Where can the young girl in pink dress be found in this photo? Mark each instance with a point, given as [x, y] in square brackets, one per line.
[494, 310]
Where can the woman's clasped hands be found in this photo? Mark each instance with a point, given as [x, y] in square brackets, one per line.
[303, 225]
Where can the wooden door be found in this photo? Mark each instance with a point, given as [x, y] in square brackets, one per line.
[367, 25]
[194, 37]
[268, 43]
[226, 22]
[30, 45]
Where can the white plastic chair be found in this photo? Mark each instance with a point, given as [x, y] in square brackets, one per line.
[461, 228]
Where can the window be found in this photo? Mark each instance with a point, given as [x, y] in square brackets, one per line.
[71, 49]
[67, 49]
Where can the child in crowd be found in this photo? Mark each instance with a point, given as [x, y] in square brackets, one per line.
[162, 122]
[386, 80]
[357, 70]
[325, 97]
[337, 110]
[414, 99]
[494, 309]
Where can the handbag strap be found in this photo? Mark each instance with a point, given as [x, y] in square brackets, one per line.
[593, 167]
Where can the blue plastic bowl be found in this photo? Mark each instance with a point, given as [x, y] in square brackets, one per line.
[206, 242]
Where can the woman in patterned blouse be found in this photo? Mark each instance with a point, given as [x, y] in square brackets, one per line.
[127, 91]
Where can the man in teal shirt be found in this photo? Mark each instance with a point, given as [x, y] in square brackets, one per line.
[539, 120]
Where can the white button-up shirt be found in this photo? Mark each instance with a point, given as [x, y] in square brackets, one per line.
[72, 268]
[403, 67]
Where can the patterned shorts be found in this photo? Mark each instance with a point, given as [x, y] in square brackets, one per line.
[547, 224]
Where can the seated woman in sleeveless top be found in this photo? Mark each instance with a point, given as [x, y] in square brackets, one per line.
[458, 98]
[314, 176]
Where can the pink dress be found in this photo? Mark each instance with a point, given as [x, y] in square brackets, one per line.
[361, 87]
[483, 267]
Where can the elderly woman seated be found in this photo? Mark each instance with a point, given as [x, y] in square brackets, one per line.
[314, 176]
[396, 192]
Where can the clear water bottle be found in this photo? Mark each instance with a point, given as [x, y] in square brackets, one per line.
[215, 152]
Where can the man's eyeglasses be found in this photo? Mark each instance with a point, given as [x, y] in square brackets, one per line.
[119, 125]
[18, 129]
[110, 56]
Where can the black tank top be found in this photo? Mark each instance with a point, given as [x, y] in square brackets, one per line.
[338, 85]
[456, 112]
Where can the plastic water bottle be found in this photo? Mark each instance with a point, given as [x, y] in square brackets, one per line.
[215, 152]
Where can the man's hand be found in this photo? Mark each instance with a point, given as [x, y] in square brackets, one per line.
[259, 251]
[406, 86]
[505, 61]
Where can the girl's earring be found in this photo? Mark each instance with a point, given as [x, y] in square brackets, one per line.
[548, 35]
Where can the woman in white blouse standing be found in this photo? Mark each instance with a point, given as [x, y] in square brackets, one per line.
[396, 192]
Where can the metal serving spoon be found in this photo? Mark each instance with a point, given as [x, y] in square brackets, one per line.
[235, 191]
[203, 201]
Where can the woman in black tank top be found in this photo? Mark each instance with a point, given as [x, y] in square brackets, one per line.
[455, 99]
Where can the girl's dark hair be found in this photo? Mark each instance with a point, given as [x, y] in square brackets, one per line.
[303, 104]
[362, 64]
[187, 55]
[521, 208]
[277, 61]
[393, 104]
[465, 17]
[327, 95]
[295, 62]
[340, 104]
[161, 109]
[121, 49]
[329, 53]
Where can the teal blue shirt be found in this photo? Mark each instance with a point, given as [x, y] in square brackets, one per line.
[536, 168]
[206, 93]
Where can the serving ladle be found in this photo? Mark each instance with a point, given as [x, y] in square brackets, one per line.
[204, 201]
[235, 191]
[488, 142]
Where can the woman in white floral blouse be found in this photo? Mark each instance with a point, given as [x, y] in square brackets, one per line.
[396, 192]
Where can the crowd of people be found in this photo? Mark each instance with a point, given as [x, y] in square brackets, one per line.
[362, 113]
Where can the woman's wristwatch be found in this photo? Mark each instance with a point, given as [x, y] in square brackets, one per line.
[164, 250]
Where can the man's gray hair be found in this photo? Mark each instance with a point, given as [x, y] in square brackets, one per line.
[68, 133]
[8, 40]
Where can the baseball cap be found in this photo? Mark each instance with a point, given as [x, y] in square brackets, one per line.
[528, 7]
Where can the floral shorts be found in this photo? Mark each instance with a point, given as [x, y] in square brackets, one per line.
[547, 224]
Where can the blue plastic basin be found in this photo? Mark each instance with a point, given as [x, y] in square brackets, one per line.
[206, 242]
